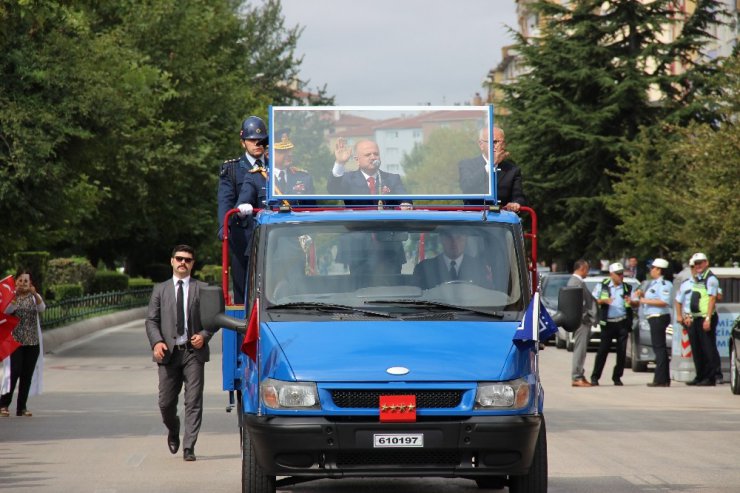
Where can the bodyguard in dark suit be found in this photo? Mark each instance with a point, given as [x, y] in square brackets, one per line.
[180, 348]
[452, 265]
[474, 173]
[253, 136]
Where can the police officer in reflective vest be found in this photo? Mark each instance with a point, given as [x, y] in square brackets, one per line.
[614, 296]
[657, 302]
[253, 138]
[703, 332]
[683, 299]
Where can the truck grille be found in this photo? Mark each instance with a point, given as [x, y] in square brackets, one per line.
[376, 458]
[371, 398]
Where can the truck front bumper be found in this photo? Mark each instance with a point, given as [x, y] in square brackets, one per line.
[320, 447]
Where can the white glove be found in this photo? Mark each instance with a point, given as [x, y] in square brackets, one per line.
[245, 210]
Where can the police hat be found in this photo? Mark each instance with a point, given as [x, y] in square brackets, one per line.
[660, 263]
[283, 142]
[616, 267]
[698, 257]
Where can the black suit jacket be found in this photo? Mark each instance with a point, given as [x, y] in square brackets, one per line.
[431, 272]
[161, 319]
[354, 183]
[473, 179]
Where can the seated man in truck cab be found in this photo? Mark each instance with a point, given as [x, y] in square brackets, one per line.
[453, 264]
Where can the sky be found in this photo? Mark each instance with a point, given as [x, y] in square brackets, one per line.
[400, 52]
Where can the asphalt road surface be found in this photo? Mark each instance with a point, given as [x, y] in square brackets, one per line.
[96, 428]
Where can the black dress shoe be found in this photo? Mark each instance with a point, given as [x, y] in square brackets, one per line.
[173, 442]
[594, 382]
[173, 439]
[618, 382]
[653, 384]
[188, 455]
[693, 382]
[706, 383]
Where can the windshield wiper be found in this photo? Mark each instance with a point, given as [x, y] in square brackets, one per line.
[327, 307]
[437, 304]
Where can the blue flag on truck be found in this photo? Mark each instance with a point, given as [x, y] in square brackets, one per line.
[539, 331]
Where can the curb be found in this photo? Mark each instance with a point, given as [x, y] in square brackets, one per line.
[56, 337]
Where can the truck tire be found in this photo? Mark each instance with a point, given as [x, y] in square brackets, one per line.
[734, 371]
[254, 480]
[535, 481]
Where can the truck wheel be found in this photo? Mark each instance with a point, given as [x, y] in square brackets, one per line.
[254, 480]
[734, 371]
[535, 481]
[491, 483]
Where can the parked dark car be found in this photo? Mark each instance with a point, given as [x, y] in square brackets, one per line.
[735, 357]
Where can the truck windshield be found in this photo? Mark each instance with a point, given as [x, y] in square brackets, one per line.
[363, 264]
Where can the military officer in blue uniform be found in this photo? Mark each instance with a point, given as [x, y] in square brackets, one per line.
[253, 137]
[657, 302]
[289, 179]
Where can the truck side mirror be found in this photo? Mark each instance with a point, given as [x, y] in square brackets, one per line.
[570, 308]
[212, 310]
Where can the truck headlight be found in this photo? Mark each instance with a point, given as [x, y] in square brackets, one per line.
[277, 394]
[513, 394]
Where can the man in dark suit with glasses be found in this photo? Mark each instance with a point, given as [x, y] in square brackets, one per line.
[180, 348]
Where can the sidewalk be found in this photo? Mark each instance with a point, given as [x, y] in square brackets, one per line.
[54, 338]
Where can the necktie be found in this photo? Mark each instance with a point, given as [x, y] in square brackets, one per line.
[283, 182]
[453, 270]
[180, 310]
[258, 163]
[371, 184]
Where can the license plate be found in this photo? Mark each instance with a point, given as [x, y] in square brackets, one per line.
[393, 440]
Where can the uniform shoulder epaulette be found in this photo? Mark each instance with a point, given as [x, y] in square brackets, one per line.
[226, 165]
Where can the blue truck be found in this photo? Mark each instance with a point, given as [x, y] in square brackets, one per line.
[361, 351]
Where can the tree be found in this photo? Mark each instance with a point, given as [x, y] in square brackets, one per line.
[115, 117]
[678, 192]
[581, 103]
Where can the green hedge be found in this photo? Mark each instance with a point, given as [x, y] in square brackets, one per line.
[107, 280]
[158, 272]
[140, 282]
[73, 270]
[36, 263]
[61, 292]
[210, 274]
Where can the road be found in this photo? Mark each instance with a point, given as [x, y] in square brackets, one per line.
[96, 428]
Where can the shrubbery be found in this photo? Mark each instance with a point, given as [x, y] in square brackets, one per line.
[140, 282]
[74, 270]
[210, 274]
[108, 280]
[61, 292]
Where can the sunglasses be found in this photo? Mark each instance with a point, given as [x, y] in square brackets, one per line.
[619, 273]
[187, 260]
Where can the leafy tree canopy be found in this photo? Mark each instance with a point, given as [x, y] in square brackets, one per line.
[582, 101]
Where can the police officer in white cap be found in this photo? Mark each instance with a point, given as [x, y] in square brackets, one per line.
[703, 332]
[657, 301]
[614, 297]
[683, 298]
